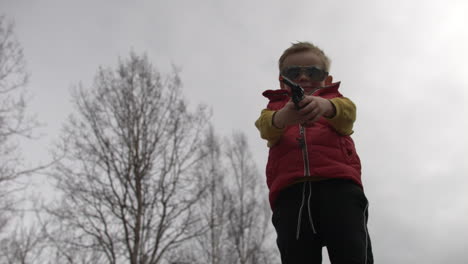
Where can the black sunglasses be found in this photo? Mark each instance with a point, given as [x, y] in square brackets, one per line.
[313, 72]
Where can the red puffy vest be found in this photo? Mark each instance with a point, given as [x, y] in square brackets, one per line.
[326, 154]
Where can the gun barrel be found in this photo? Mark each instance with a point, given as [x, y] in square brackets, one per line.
[288, 82]
[296, 90]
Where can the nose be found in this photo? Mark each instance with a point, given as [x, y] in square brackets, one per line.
[303, 76]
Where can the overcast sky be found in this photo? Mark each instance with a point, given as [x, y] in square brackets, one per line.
[404, 63]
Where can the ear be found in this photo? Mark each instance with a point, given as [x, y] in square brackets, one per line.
[329, 80]
[282, 85]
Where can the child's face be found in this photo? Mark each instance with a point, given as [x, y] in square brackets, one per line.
[305, 58]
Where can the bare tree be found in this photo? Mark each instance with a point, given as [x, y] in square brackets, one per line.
[233, 210]
[20, 241]
[126, 179]
[213, 205]
[24, 245]
[249, 213]
[13, 78]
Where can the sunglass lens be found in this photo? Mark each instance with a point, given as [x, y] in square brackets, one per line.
[292, 72]
[315, 73]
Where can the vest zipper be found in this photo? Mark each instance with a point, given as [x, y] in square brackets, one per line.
[303, 146]
[305, 156]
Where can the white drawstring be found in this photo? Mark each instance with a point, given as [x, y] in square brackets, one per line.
[308, 209]
[308, 205]
[300, 213]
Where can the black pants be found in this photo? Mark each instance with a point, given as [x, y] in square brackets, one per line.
[332, 213]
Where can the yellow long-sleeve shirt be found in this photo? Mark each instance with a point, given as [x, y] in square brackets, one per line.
[342, 122]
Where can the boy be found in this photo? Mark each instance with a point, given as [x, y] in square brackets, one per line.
[313, 170]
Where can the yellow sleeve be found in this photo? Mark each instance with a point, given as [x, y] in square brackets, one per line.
[265, 125]
[345, 115]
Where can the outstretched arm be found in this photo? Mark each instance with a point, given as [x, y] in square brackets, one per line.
[271, 124]
[345, 116]
[268, 130]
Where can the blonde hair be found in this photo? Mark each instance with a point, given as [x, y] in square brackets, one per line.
[305, 46]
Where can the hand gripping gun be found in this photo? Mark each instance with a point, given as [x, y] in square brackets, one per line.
[297, 94]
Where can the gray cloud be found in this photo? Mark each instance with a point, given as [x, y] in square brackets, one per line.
[403, 62]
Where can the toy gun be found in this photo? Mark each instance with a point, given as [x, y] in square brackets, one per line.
[297, 92]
